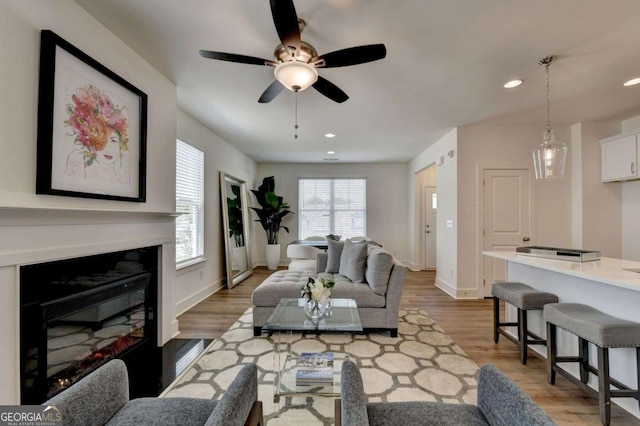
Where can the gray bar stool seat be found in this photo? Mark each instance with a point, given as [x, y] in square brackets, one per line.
[604, 331]
[524, 298]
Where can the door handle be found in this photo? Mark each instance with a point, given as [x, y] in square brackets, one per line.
[633, 168]
[428, 232]
[526, 239]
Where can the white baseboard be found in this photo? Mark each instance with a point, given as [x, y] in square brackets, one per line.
[191, 301]
[446, 287]
[411, 266]
[467, 293]
[456, 293]
[175, 328]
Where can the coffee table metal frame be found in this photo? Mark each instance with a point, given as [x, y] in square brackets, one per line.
[289, 317]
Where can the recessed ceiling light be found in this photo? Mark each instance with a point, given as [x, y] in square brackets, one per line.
[632, 82]
[329, 135]
[331, 152]
[513, 83]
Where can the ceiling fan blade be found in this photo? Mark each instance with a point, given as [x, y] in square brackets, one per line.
[330, 90]
[232, 57]
[271, 92]
[353, 56]
[286, 21]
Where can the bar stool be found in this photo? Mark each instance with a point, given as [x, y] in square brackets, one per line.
[604, 331]
[525, 298]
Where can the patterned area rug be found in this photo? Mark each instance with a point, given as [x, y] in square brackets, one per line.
[423, 363]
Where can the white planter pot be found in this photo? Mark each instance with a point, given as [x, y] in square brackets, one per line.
[272, 252]
[239, 258]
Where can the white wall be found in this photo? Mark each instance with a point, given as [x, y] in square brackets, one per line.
[387, 200]
[597, 206]
[630, 221]
[20, 25]
[631, 206]
[196, 282]
[447, 189]
[36, 228]
[494, 147]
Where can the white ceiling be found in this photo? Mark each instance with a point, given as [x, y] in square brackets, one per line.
[445, 66]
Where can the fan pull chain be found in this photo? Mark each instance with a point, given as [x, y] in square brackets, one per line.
[296, 117]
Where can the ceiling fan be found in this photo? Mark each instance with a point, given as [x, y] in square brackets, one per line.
[296, 61]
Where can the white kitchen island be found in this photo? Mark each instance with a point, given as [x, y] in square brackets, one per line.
[609, 285]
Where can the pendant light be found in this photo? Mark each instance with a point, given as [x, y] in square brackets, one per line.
[550, 156]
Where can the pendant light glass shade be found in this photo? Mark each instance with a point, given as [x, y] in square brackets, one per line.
[550, 157]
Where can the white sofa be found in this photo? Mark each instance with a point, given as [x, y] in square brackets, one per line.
[303, 258]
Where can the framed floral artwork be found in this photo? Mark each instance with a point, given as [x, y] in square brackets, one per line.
[92, 127]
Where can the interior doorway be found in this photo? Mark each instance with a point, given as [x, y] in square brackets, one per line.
[426, 222]
[430, 229]
[506, 218]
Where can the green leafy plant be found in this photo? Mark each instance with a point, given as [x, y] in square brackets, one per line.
[317, 290]
[272, 209]
[234, 208]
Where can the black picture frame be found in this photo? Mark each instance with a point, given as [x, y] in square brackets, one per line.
[92, 127]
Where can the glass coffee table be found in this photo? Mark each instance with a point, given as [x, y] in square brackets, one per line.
[288, 317]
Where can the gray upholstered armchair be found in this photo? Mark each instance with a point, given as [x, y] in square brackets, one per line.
[102, 397]
[500, 402]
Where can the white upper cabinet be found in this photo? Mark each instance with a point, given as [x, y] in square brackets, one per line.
[619, 156]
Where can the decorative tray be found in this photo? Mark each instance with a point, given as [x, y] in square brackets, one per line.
[559, 253]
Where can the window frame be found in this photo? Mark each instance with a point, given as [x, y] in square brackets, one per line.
[196, 204]
[332, 207]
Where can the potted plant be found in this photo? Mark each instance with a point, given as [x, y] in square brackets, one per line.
[270, 213]
[236, 230]
[234, 209]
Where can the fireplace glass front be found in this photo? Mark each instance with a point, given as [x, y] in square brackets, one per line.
[77, 314]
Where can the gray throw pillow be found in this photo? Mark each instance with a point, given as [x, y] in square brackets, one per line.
[379, 264]
[334, 251]
[353, 260]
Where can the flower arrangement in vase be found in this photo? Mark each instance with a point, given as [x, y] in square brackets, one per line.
[317, 296]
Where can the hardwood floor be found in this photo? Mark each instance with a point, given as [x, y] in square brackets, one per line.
[468, 322]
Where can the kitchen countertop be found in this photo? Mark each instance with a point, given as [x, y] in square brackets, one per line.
[607, 270]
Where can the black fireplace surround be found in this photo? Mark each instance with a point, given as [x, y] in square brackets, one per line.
[77, 314]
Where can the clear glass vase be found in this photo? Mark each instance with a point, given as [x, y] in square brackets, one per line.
[312, 309]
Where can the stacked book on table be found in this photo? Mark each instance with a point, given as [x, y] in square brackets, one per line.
[315, 369]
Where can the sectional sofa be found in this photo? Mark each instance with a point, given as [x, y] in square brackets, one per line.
[362, 271]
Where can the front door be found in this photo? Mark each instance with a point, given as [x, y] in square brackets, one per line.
[430, 210]
[506, 218]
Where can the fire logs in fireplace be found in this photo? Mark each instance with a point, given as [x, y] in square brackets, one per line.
[77, 314]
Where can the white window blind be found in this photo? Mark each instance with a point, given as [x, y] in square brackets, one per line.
[332, 206]
[190, 202]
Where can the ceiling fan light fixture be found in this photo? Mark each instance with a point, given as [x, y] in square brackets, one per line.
[296, 75]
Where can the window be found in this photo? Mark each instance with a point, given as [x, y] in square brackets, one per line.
[332, 206]
[189, 202]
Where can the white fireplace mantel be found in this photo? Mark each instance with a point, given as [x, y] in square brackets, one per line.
[25, 216]
[31, 235]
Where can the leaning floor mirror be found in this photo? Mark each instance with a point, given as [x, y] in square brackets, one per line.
[235, 219]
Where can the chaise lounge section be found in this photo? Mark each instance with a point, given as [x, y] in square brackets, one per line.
[364, 272]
